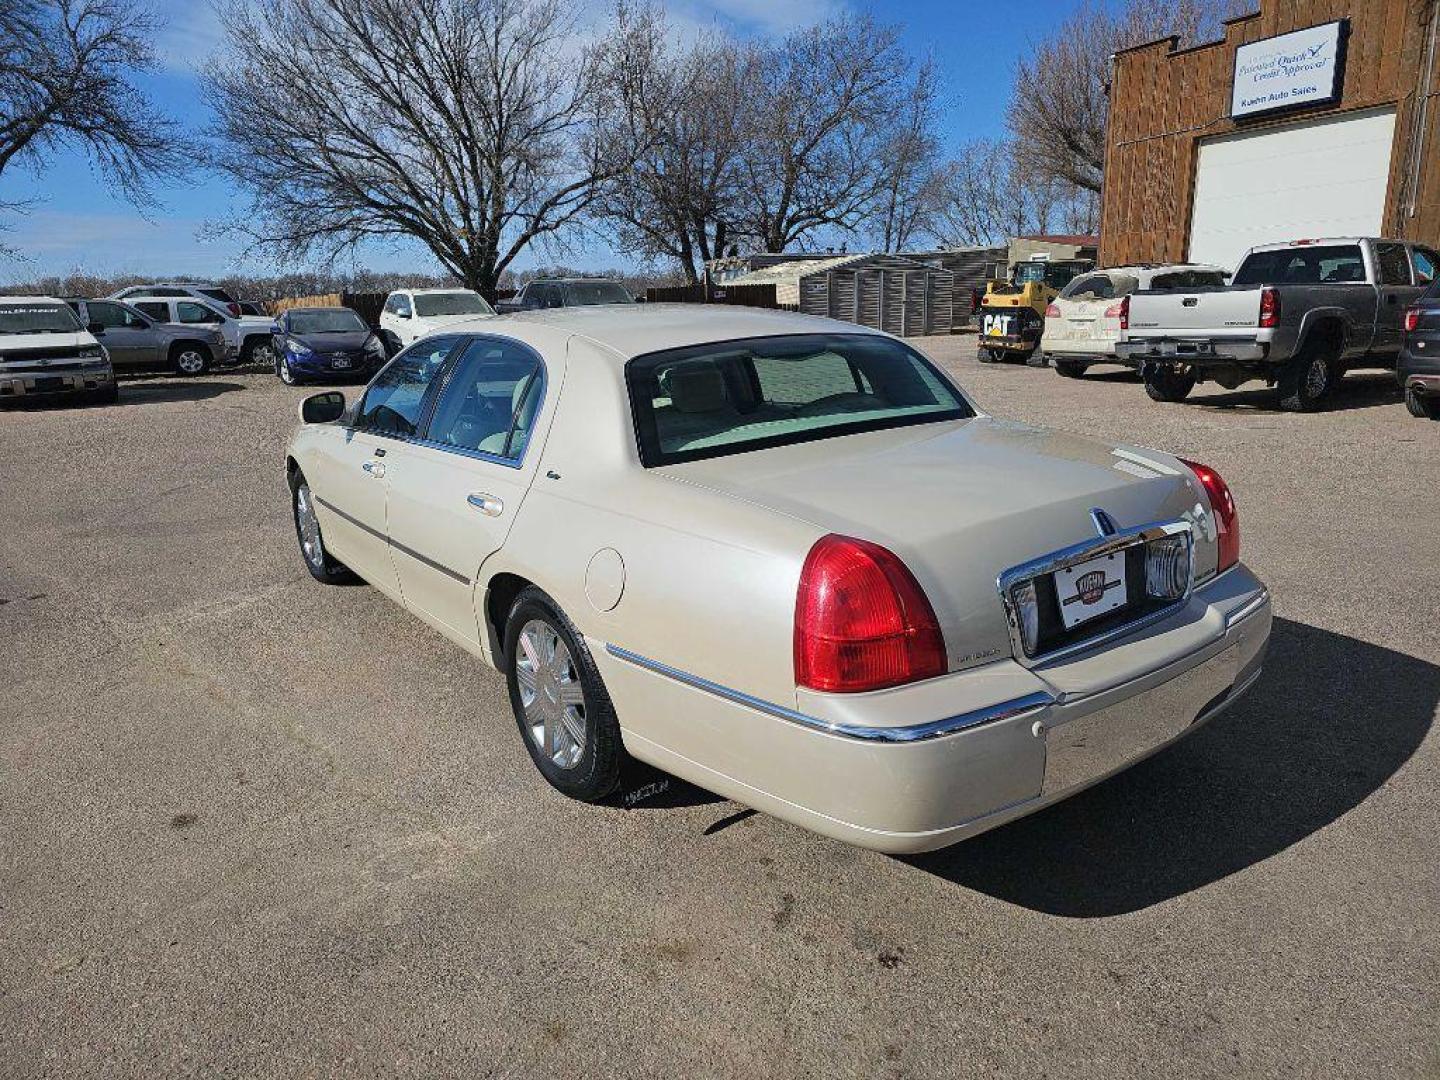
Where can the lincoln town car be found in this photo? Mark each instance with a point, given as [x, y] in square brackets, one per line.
[787, 559]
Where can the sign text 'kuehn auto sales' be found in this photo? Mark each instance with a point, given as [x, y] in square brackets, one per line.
[1300, 68]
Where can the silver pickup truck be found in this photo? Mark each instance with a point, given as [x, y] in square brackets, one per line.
[1295, 315]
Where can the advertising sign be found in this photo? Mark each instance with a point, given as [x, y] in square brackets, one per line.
[1304, 67]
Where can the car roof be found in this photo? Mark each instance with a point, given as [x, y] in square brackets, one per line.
[636, 329]
[1323, 241]
[435, 289]
[571, 280]
[318, 307]
[31, 300]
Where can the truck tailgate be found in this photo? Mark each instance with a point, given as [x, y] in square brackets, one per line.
[1207, 312]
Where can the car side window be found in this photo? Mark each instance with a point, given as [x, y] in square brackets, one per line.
[110, 316]
[394, 400]
[1394, 265]
[1427, 263]
[156, 309]
[402, 306]
[187, 311]
[490, 402]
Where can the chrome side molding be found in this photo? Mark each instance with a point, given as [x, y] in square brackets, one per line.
[934, 729]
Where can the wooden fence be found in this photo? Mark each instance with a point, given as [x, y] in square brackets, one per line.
[762, 296]
[365, 304]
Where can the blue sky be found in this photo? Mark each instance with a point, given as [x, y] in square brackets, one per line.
[74, 223]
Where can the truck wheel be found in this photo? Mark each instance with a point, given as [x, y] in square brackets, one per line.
[1168, 384]
[1421, 405]
[259, 351]
[1307, 380]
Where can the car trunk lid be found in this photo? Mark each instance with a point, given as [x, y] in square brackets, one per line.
[959, 502]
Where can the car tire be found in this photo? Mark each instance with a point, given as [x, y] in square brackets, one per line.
[284, 372]
[1308, 379]
[323, 566]
[259, 351]
[1167, 384]
[109, 394]
[1420, 405]
[190, 359]
[561, 707]
[1070, 369]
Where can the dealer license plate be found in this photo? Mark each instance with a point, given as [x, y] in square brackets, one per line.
[997, 326]
[340, 362]
[1090, 589]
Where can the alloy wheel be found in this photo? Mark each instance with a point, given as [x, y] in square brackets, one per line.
[551, 694]
[190, 362]
[308, 526]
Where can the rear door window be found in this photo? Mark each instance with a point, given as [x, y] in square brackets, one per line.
[1394, 264]
[110, 316]
[156, 309]
[490, 401]
[187, 311]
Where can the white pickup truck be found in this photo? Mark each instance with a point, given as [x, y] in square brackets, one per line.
[1295, 315]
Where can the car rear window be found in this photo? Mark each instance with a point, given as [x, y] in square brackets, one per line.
[1329, 264]
[1090, 287]
[217, 294]
[731, 397]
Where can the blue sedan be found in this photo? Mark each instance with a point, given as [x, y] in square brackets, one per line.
[325, 343]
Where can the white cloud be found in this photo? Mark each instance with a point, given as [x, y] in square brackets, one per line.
[190, 33]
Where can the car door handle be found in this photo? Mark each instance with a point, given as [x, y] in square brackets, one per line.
[374, 468]
[486, 504]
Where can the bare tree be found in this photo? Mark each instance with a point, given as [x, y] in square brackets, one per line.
[679, 200]
[990, 193]
[912, 185]
[477, 127]
[1060, 106]
[822, 101]
[66, 79]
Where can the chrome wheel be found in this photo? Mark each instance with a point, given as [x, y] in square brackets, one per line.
[190, 362]
[551, 694]
[308, 526]
[282, 368]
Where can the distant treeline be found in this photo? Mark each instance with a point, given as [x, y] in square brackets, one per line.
[262, 288]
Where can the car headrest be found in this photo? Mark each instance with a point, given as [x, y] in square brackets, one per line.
[697, 389]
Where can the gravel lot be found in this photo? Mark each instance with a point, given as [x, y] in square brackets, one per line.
[251, 826]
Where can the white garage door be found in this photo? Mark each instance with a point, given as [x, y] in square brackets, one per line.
[1321, 178]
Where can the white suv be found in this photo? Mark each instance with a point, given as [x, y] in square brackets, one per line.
[410, 314]
[46, 353]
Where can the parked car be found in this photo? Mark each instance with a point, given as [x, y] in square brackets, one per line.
[175, 290]
[1012, 312]
[913, 624]
[136, 342]
[410, 314]
[247, 338]
[325, 342]
[1296, 315]
[46, 354]
[1084, 322]
[544, 293]
[1418, 368]
[247, 308]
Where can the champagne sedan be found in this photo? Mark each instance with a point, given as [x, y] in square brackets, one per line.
[785, 558]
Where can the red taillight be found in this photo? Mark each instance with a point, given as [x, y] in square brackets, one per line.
[1269, 309]
[862, 622]
[1120, 311]
[1052, 312]
[1412, 319]
[1227, 521]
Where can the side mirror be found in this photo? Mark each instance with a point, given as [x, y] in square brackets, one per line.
[96, 329]
[323, 408]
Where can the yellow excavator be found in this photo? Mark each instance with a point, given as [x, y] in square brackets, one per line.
[1011, 315]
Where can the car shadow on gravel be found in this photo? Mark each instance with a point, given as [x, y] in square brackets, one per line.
[151, 391]
[1330, 720]
[1363, 390]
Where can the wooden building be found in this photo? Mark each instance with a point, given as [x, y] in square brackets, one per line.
[1311, 118]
